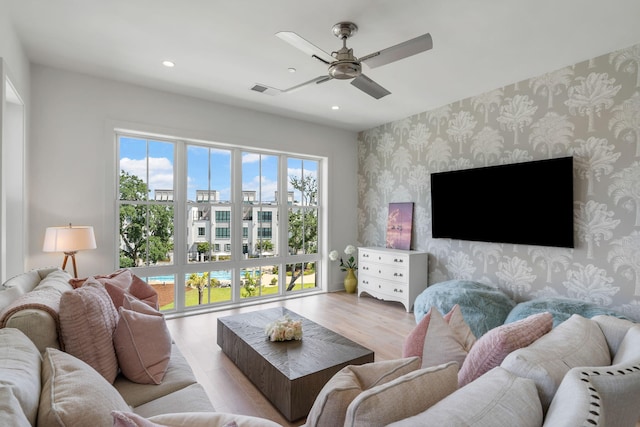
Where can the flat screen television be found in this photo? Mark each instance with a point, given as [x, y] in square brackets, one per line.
[528, 203]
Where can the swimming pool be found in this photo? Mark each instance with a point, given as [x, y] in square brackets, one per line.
[217, 274]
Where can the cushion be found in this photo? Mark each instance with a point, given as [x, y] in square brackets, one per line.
[497, 398]
[132, 303]
[484, 307]
[491, 349]
[174, 402]
[598, 396]
[330, 407]
[20, 371]
[122, 282]
[208, 419]
[88, 320]
[447, 339]
[57, 279]
[7, 296]
[614, 330]
[629, 350]
[74, 394]
[143, 346]
[179, 375]
[560, 308]
[575, 342]
[10, 410]
[403, 397]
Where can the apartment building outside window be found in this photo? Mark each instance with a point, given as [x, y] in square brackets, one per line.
[183, 228]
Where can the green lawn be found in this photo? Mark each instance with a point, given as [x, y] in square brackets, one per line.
[224, 294]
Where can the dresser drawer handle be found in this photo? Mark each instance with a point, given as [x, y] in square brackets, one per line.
[398, 275]
[398, 290]
[400, 260]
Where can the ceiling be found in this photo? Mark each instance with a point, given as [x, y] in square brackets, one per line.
[223, 48]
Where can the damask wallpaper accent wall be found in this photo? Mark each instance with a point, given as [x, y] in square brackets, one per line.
[591, 111]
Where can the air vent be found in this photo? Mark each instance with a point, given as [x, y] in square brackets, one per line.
[259, 88]
[265, 89]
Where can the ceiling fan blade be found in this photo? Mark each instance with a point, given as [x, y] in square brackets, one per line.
[307, 47]
[369, 87]
[399, 51]
[317, 80]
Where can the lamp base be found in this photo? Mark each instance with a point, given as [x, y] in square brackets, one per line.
[73, 260]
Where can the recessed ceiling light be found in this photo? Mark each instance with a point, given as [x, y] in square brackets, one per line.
[168, 64]
[335, 107]
[292, 70]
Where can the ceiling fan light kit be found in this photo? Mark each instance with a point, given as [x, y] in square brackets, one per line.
[343, 65]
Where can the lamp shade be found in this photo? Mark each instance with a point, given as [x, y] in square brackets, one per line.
[69, 239]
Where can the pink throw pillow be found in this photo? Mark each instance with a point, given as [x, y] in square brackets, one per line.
[122, 282]
[143, 291]
[88, 320]
[496, 344]
[143, 346]
[121, 278]
[132, 303]
[414, 342]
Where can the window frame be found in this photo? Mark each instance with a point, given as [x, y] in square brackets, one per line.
[238, 262]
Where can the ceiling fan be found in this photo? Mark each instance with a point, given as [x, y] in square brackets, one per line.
[343, 65]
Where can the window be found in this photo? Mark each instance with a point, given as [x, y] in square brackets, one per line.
[264, 216]
[223, 216]
[223, 233]
[226, 225]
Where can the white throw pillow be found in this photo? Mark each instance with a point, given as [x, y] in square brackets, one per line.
[75, 394]
[330, 407]
[575, 342]
[497, 398]
[403, 397]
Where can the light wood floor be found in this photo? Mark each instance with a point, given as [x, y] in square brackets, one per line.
[378, 325]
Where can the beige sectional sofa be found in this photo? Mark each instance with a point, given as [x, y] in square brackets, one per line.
[583, 372]
[42, 385]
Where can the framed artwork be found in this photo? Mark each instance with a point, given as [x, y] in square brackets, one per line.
[399, 223]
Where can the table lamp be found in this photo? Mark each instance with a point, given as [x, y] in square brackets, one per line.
[69, 240]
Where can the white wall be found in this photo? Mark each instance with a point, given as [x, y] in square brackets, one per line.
[72, 163]
[14, 67]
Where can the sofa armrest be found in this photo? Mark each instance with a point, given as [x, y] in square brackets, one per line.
[38, 325]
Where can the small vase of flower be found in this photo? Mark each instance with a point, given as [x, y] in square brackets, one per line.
[350, 266]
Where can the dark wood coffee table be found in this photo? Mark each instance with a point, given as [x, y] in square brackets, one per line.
[290, 373]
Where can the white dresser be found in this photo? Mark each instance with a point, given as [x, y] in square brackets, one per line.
[392, 274]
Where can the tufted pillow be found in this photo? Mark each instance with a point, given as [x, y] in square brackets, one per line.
[575, 342]
[20, 370]
[88, 320]
[484, 307]
[597, 396]
[491, 349]
[74, 394]
[402, 397]
[331, 404]
[498, 398]
[143, 345]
